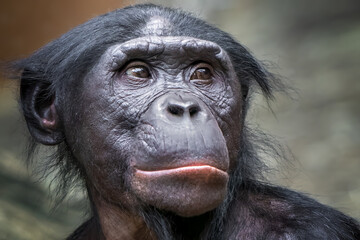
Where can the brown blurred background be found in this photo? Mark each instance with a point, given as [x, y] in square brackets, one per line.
[315, 46]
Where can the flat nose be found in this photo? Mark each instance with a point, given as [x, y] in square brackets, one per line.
[180, 107]
[177, 107]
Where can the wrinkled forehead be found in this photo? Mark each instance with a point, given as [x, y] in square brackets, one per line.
[170, 48]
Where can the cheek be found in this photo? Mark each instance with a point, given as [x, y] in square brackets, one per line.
[230, 119]
[232, 133]
[98, 131]
[106, 162]
[101, 144]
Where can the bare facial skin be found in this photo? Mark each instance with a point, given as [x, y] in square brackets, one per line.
[178, 148]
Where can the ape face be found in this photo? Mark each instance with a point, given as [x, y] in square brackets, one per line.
[159, 124]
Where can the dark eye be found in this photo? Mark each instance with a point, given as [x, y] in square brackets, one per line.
[201, 73]
[138, 72]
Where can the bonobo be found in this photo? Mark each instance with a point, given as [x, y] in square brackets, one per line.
[147, 105]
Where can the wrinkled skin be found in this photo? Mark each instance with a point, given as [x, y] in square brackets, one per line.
[159, 134]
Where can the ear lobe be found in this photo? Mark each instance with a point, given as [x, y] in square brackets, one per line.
[40, 113]
[49, 117]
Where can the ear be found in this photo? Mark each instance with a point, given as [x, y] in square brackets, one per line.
[39, 108]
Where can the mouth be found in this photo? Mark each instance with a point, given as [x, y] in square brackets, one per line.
[175, 162]
[198, 172]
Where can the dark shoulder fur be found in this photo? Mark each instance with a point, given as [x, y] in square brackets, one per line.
[278, 213]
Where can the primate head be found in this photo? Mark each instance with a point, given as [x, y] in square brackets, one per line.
[147, 105]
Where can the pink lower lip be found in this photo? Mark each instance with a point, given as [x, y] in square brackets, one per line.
[201, 169]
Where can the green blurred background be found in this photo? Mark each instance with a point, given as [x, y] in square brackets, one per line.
[314, 45]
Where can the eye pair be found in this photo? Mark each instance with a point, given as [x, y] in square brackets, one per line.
[203, 71]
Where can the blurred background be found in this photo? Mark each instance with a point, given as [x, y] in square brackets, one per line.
[313, 45]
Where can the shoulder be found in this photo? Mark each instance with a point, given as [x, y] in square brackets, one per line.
[86, 231]
[280, 213]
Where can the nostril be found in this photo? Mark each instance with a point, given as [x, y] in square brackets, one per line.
[193, 110]
[175, 110]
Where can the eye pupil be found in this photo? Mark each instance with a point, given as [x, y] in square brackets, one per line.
[202, 73]
[138, 71]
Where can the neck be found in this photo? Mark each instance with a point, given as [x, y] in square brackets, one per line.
[117, 223]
